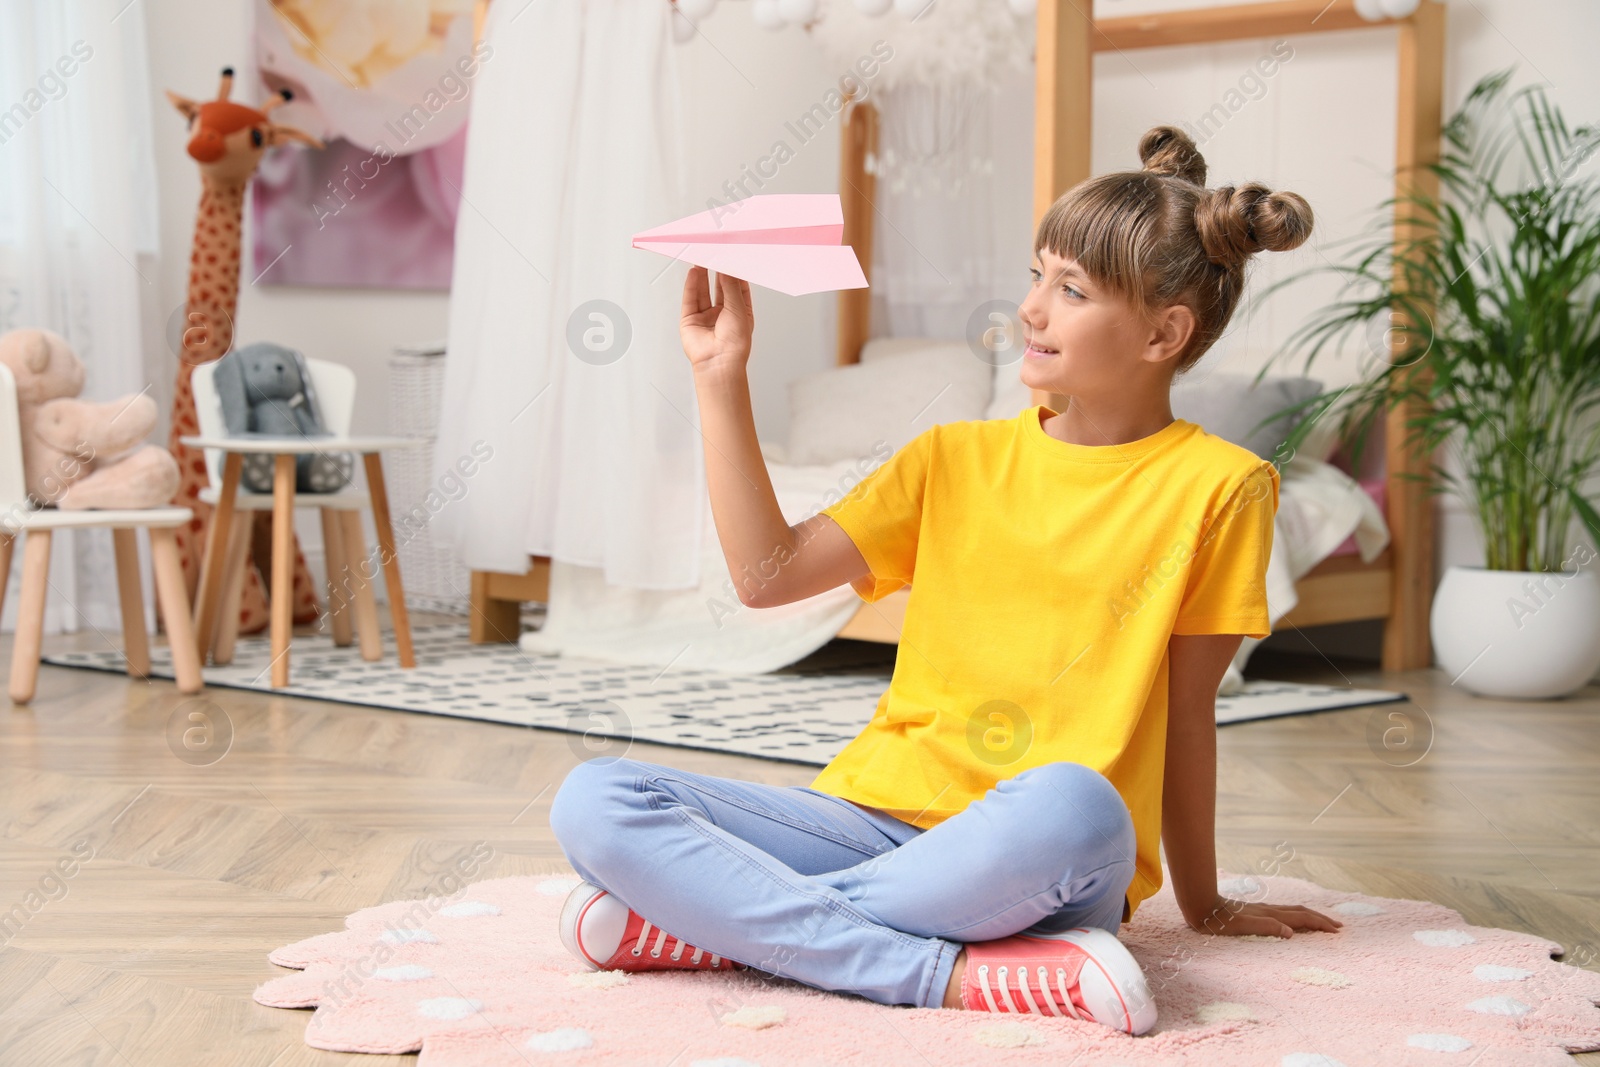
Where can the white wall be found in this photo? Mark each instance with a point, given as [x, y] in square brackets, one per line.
[1324, 128]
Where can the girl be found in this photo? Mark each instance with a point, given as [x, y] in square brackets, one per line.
[1081, 581]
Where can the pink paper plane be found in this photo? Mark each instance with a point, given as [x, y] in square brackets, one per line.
[788, 242]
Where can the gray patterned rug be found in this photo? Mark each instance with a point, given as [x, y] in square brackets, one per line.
[804, 713]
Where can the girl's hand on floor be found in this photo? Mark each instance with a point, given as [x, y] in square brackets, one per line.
[1236, 918]
[716, 334]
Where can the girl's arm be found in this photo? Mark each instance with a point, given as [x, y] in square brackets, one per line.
[770, 562]
[1195, 666]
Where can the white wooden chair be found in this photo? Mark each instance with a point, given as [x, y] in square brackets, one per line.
[342, 537]
[18, 516]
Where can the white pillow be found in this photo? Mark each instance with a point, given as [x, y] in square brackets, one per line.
[908, 386]
[879, 347]
[1008, 397]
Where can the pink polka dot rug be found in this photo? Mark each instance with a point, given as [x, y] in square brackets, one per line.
[480, 979]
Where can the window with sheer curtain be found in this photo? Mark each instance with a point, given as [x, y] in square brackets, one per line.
[78, 227]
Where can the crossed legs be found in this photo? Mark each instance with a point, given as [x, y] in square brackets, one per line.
[807, 886]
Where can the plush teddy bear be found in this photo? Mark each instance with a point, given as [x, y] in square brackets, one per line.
[77, 455]
[266, 389]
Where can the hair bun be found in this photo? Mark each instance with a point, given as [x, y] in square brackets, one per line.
[1236, 223]
[1168, 151]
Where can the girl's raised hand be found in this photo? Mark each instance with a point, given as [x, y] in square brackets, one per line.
[1237, 917]
[716, 334]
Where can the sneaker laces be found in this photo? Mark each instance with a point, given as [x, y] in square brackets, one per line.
[1041, 977]
[662, 937]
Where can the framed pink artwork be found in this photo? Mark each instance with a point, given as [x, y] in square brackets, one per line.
[386, 87]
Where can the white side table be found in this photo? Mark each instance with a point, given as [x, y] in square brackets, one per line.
[287, 450]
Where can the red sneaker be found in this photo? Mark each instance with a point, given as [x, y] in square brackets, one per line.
[1083, 973]
[608, 935]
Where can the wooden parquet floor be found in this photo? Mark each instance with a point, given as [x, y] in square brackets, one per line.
[187, 871]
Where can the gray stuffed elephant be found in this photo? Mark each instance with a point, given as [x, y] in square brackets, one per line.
[266, 390]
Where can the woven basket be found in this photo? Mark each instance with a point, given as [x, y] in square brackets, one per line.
[435, 579]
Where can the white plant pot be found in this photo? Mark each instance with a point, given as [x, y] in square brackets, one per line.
[1526, 635]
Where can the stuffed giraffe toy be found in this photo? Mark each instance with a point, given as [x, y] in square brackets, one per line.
[228, 141]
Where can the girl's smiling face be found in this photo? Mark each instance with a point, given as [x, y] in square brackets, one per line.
[1085, 340]
[1081, 337]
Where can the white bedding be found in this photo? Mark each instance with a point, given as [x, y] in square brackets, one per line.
[1319, 506]
[707, 627]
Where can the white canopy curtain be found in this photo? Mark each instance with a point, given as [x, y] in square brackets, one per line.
[78, 226]
[572, 148]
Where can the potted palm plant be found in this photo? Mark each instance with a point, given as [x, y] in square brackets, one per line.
[1484, 319]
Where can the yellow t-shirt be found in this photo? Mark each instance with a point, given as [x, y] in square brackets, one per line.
[1046, 579]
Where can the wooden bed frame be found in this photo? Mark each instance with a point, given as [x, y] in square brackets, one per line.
[1397, 586]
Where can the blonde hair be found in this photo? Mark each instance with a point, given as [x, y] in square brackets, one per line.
[1159, 237]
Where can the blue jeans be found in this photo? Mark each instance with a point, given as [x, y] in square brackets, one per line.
[804, 885]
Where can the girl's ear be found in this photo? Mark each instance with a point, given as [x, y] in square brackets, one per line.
[1170, 333]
